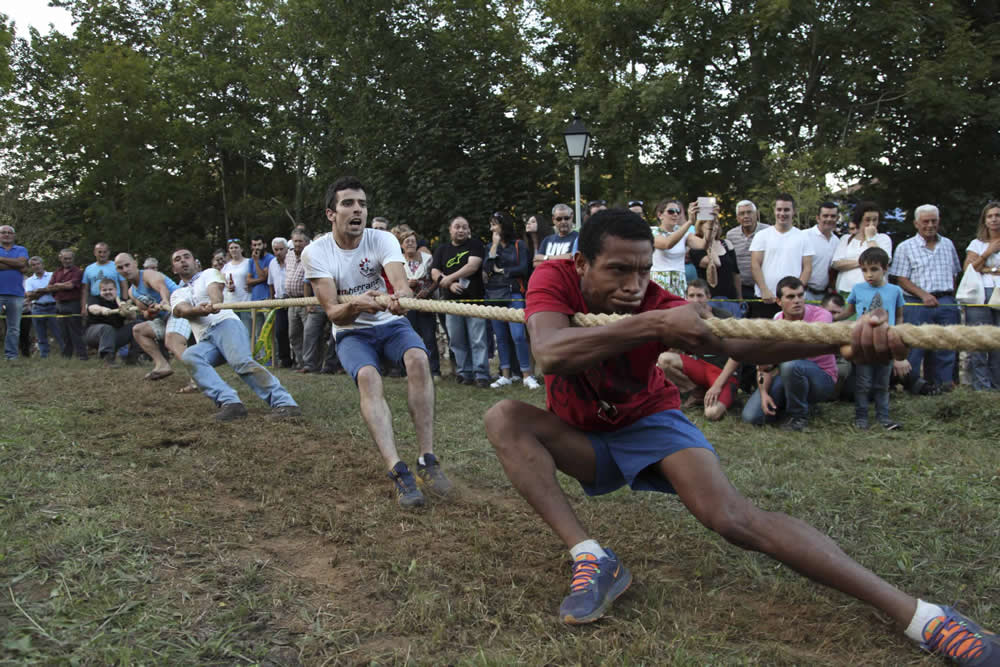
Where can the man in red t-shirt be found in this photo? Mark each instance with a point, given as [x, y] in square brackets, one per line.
[612, 420]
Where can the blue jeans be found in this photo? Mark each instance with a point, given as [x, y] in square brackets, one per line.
[518, 333]
[468, 342]
[13, 306]
[874, 379]
[46, 326]
[798, 384]
[228, 342]
[734, 308]
[984, 365]
[938, 365]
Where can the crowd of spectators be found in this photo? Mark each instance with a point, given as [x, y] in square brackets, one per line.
[752, 270]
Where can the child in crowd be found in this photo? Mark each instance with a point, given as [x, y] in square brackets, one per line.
[712, 380]
[874, 292]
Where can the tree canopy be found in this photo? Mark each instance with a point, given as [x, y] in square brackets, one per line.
[183, 122]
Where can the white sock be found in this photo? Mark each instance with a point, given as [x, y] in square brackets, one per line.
[925, 612]
[588, 547]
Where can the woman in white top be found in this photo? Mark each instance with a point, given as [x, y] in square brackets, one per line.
[984, 256]
[417, 266]
[867, 215]
[670, 243]
[236, 271]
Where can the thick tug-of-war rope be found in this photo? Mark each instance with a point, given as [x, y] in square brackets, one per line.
[926, 336]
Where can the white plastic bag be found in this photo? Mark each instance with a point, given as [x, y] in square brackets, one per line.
[971, 289]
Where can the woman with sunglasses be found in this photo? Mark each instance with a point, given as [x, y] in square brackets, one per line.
[236, 271]
[670, 243]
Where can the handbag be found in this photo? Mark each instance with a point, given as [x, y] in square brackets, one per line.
[970, 289]
[995, 299]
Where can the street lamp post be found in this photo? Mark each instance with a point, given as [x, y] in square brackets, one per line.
[577, 144]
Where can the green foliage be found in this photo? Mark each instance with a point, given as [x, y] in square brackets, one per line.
[186, 121]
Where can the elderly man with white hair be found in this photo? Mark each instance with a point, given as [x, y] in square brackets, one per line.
[741, 237]
[13, 260]
[561, 244]
[925, 266]
[276, 285]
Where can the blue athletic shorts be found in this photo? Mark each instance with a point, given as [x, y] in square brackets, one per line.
[357, 348]
[625, 456]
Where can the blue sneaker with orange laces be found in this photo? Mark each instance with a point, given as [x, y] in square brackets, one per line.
[955, 636]
[596, 584]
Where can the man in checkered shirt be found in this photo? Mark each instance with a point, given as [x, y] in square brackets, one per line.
[925, 267]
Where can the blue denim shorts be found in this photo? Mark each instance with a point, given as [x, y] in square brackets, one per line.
[357, 348]
[625, 456]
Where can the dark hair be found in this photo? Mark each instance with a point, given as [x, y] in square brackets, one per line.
[544, 229]
[835, 298]
[698, 283]
[507, 231]
[259, 238]
[107, 281]
[828, 204]
[784, 196]
[791, 282]
[663, 203]
[864, 207]
[874, 256]
[342, 183]
[618, 222]
[217, 251]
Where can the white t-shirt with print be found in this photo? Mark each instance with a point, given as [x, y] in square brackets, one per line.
[196, 293]
[783, 254]
[355, 271]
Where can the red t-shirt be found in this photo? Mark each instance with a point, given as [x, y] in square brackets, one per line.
[631, 383]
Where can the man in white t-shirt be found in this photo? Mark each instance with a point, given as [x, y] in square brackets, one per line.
[824, 244]
[350, 261]
[221, 338]
[782, 250]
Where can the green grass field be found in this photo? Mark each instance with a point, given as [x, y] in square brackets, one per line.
[136, 530]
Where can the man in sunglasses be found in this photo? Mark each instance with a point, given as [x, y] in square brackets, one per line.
[562, 244]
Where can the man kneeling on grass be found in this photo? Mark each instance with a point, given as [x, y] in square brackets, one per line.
[222, 338]
[613, 420]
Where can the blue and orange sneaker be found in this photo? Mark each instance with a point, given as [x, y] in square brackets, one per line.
[407, 493]
[955, 636]
[596, 584]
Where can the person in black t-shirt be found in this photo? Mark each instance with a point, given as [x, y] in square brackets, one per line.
[107, 328]
[458, 266]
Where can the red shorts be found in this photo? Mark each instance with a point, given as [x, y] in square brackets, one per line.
[705, 374]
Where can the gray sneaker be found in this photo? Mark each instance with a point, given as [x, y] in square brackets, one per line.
[286, 411]
[430, 476]
[231, 412]
[407, 493]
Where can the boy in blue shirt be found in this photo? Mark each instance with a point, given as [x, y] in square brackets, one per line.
[874, 292]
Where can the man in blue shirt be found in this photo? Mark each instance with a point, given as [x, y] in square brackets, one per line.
[13, 260]
[260, 260]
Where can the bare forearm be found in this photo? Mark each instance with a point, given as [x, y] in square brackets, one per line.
[773, 352]
[909, 287]
[571, 350]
